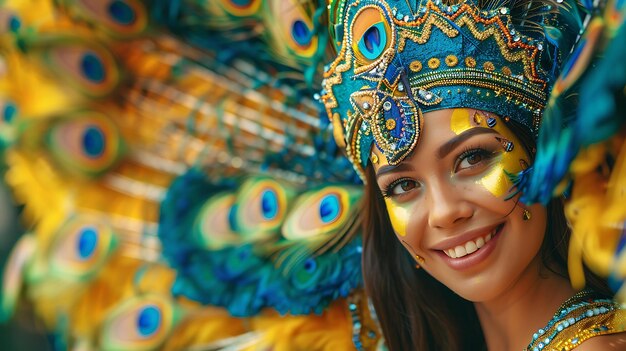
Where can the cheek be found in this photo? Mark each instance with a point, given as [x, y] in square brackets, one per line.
[399, 217]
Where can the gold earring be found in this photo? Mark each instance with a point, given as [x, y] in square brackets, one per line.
[420, 261]
[526, 215]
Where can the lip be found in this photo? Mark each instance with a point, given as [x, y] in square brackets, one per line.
[461, 239]
[474, 258]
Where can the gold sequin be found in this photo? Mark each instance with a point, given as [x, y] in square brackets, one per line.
[488, 66]
[415, 66]
[434, 63]
[451, 60]
[390, 124]
[374, 159]
[470, 62]
[506, 70]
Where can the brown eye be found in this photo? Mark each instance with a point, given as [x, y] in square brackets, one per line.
[474, 159]
[471, 158]
[401, 187]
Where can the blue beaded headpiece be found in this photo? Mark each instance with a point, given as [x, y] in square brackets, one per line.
[396, 61]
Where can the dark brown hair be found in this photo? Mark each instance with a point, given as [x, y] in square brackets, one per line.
[415, 311]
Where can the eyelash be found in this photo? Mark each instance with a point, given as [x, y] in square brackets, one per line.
[387, 191]
[471, 151]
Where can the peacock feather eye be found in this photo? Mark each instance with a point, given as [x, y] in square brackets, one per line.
[269, 204]
[330, 208]
[290, 24]
[148, 320]
[371, 35]
[260, 207]
[86, 143]
[121, 18]
[122, 12]
[92, 67]
[241, 8]
[301, 33]
[139, 323]
[324, 211]
[80, 247]
[84, 65]
[212, 228]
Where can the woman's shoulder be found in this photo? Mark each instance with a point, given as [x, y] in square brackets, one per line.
[584, 322]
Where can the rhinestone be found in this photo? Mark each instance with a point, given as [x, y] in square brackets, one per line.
[504, 10]
[366, 106]
[406, 18]
[539, 46]
[387, 106]
[400, 87]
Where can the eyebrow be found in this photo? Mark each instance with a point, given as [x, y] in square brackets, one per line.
[451, 144]
[388, 168]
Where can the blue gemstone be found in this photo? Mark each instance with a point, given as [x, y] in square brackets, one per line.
[574, 340]
[329, 208]
[491, 122]
[122, 12]
[269, 204]
[148, 321]
[87, 242]
[94, 142]
[301, 33]
[10, 111]
[14, 24]
[93, 68]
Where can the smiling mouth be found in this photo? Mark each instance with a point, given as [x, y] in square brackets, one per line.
[471, 246]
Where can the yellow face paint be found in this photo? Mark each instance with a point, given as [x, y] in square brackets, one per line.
[398, 215]
[495, 181]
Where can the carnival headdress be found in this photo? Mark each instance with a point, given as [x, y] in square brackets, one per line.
[397, 61]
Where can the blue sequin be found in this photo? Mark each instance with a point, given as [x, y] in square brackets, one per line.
[87, 242]
[148, 321]
[269, 204]
[373, 42]
[329, 208]
[122, 12]
[94, 142]
[92, 67]
[301, 33]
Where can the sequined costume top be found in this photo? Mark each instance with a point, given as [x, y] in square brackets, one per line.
[581, 317]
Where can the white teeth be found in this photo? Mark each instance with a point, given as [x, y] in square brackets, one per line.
[480, 242]
[469, 247]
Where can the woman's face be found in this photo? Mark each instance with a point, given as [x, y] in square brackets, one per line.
[447, 204]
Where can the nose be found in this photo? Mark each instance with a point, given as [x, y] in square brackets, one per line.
[448, 206]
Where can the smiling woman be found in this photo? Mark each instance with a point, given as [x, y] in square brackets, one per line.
[438, 106]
